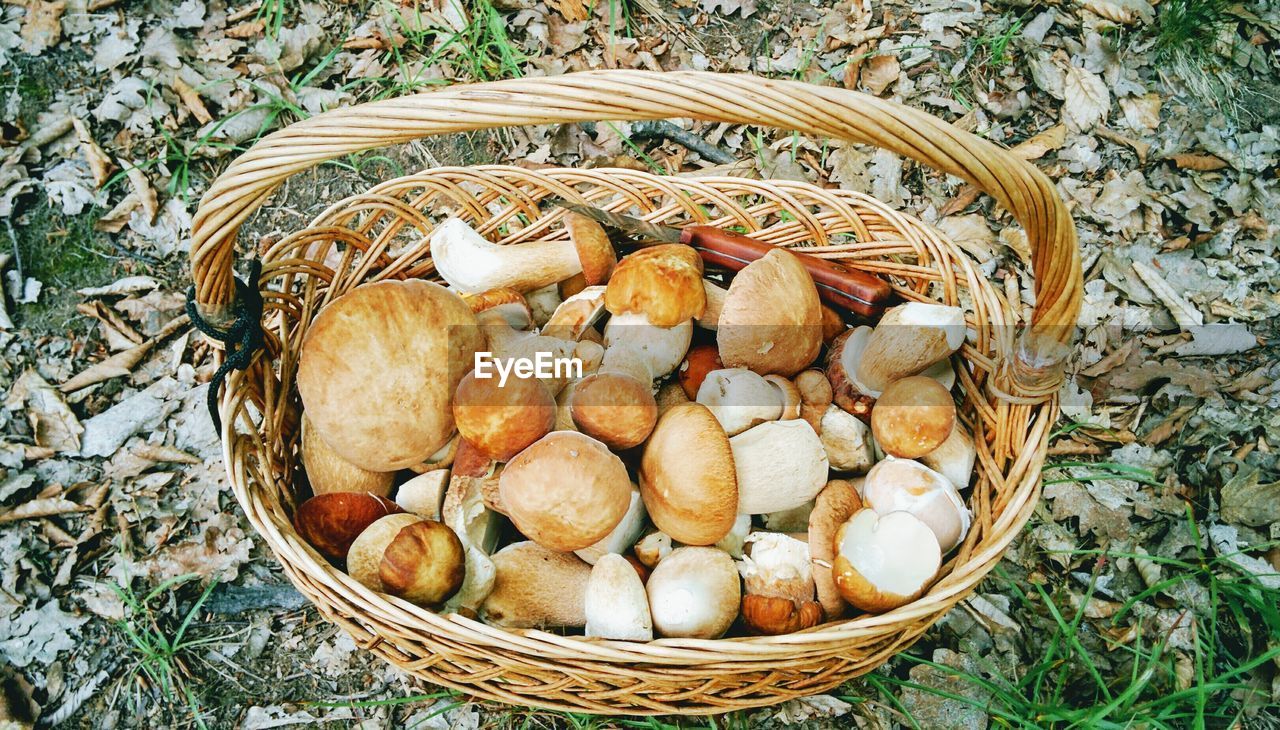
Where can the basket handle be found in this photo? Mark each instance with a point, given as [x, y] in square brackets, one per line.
[634, 95]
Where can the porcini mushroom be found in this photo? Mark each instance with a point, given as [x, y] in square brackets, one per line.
[740, 399]
[623, 536]
[687, 476]
[379, 366]
[772, 320]
[535, 587]
[661, 348]
[565, 491]
[884, 561]
[419, 560]
[694, 593]
[780, 465]
[715, 304]
[423, 495]
[778, 578]
[501, 419]
[903, 485]
[652, 548]
[615, 408]
[662, 282]
[908, 339]
[954, 458]
[912, 417]
[616, 604]
[469, 262]
[576, 315]
[331, 522]
[834, 505]
[507, 304]
[328, 472]
[815, 396]
[847, 441]
[699, 361]
[842, 368]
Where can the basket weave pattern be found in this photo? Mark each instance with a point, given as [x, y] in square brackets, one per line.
[381, 234]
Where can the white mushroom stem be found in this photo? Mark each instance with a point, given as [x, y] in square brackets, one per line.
[715, 302]
[777, 565]
[740, 399]
[617, 606]
[543, 302]
[626, 534]
[954, 459]
[909, 338]
[847, 441]
[471, 263]
[662, 348]
[626, 359]
[780, 465]
[423, 495]
[734, 542]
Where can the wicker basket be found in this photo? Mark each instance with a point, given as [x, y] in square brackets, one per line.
[1008, 398]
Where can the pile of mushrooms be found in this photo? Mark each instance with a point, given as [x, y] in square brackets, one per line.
[726, 459]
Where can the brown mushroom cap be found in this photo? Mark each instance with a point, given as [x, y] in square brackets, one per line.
[687, 477]
[501, 420]
[884, 562]
[699, 361]
[815, 396]
[662, 282]
[595, 252]
[772, 319]
[379, 366]
[775, 615]
[565, 491]
[913, 416]
[327, 472]
[834, 505]
[535, 587]
[423, 563]
[842, 363]
[504, 305]
[331, 522]
[615, 408]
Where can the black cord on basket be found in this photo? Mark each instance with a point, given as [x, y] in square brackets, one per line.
[242, 338]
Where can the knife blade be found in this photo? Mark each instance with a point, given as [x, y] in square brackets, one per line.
[837, 284]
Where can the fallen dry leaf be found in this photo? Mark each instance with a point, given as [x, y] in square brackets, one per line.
[99, 163]
[1085, 99]
[191, 100]
[42, 25]
[48, 507]
[879, 72]
[146, 194]
[1042, 144]
[1124, 12]
[52, 422]
[1203, 163]
[1247, 501]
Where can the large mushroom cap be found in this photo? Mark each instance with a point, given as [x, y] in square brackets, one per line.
[566, 491]
[687, 477]
[500, 419]
[662, 282]
[379, 366]
[772, 319]
[913, 416]
[327, 472]
[694, 593]
[535, 587]
[884, 561]
[595, 252]
[909, 486]
[615, 408]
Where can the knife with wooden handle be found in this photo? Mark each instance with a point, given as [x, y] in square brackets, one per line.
[837, 284]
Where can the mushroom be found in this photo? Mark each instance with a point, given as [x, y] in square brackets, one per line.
[327, 472]
[565, 491]
[419, 560]
[687, 476]
[772, 319]
[834, 505]
[740, 399]
[780, 465]
[507, 304]
[699, 361]
[789, 395]
[331, 522]
[735, 541]
[954, 458]
[902, 485]
[616, 604]
[501, 418]
[663, 283]
[832, 324]
[543, 303]
[652, 548]
[624, 534]
[715, 295]
[779, 585]
[884, 561]
[469, 262]
[694, 593]
[625, 358]
[842, 364]
[913, 416]
[379, 366]
[468, 514]
[795, 519]
[847, 441]
[669, 394]
[615, 408]
[576, 315]
[442, 459]
[661, 348]
[815, 396]
[423, 495]
[908, 339]
[535, 587]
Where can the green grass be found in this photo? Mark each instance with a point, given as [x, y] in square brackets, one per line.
[1188, 48]
[158, 649]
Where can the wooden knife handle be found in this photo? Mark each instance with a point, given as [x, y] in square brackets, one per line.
[838, 285]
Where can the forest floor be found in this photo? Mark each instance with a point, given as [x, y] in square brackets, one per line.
[1145, 592]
